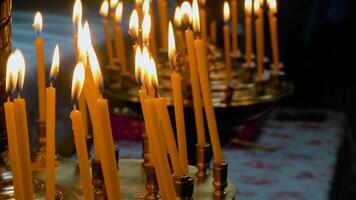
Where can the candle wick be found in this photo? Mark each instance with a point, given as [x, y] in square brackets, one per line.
[8, 98]
[74, 106]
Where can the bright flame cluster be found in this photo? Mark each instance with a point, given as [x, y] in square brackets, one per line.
[145, 68]
[77, 13]
[78, 81]
[226, 12]
[15, 72]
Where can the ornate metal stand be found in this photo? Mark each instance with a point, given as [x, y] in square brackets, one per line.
[39, 156]
[202, 153]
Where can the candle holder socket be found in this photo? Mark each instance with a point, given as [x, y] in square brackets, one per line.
[151, 183]
[145, 151]
[38, 157]
[220, 179]
[98, 180]
[117, 154]
[184, 187]
[89, 142]
[202, 163]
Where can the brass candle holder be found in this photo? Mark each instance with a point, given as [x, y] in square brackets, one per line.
[184, 187]
[202, 163]
[220, 179]
[38, 157]
[151, 183]
[98, 180]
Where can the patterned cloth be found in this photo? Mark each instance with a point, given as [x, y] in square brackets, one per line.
[301, 168]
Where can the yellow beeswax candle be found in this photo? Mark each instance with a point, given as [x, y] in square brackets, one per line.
[213, 34]
[274, 35]
[234, 16]
[104, 9]
[119, 39]
[208, 104]
[163, 18]
[203, 23]
[41, 70]
[248, 32]
[260, 50]
[227, 43]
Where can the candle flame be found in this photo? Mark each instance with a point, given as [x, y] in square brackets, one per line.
[133, 24]
[178, 17]
[256, 6]
[95, 68]
[248, 6]
[55, 64]
[118, 12]
[11, 74]
[146, 27]
[104, 9]
[171, 43]
[196, 18]
[153, 80]
[78, 81]
[84, 41]
[226, 12]
[113, 4]
[21, 69]
[138, 64]
[145, 73]
[272, 5]
[77, 13]
[37, 22]
[187, 15]
[146, 6]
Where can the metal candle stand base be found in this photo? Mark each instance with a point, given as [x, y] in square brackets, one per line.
[220, 179]
[184, 187]
[145, 151]
[151, 183]
[39, 155]
[98, 180]
[202, 164]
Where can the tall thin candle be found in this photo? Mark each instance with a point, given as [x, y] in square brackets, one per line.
[104, 9]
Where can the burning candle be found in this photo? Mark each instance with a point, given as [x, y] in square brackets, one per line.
[133, 28]
[11, 128]
[104, 9]
[146, 29]
[259, 41]
[79, 135]
[77, 21]
[119, 39]
[248, 32]
[213, 34]
[274, 35]
[227, 40]
[179, 32]
[153, 44]
[163, 19]
[105, 139]
[113, 6]
[197, 102]
[234, 25]
[41, 70]
[206, 91]
[22, 127]
[203, 23]
[51, 128]
[176, 81]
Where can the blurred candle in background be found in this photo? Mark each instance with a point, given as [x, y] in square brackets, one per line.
[119, 39]
[104, 9]
[227, 43]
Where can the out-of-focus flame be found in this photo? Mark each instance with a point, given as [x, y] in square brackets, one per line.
[196, 18]
[146, 6]
[272, 4]
[78, 81]
[153, 80]
[187, 15]
[118, 12]
[77, 13]
[145, 75]
[113, 4]
[95, 68]
[248, 7]
[84, 41]
[138, 64]
[178, 17]
[226, 12]
[171, 44]
[256, 7]
[55, 64]
[11, 75]
[146, 27]
[21, 69]
[37, 22]
[104, 9]
[133, 24]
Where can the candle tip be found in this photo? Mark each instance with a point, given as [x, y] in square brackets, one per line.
[37, 23]
[55, 64]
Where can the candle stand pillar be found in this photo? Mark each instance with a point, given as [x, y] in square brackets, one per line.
[151, 183]
[145, 150]
[202, 163]
[220, 180]
[39, 155]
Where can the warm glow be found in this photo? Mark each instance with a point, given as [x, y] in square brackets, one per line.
[256, 6]
[77, 13]
[146, 6]
[202, 2]
[178, 17]
[226, 11]
[146, 27]
[171, 43]
[95, 68]
[78, 81]
[153, 80]
[37, 23]
[187, 14]
[21, 68]
[138, 63]
[55, 64]
[138, 2]
[84, 41]
[145, 74]
[104, 9]
[118, 12]
[272, 5]
[196, 18]
[113, 4]
[133, 24]
[11, 74]
[248, 7]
